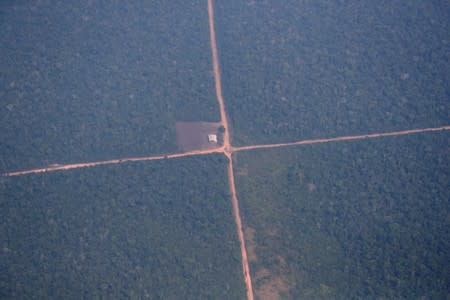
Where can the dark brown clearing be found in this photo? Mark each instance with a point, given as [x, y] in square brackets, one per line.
[194, 135]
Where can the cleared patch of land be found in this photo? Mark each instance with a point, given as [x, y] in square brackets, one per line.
[94, 81]
[360, 219]
[158, 230]
[194, 135]
[296, 70]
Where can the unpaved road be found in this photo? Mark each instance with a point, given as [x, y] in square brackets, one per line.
[227, 150]
[341, 138]
[237, 216]
[217, 76]
[60, 167]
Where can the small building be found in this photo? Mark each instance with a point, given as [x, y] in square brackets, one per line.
[212, 138]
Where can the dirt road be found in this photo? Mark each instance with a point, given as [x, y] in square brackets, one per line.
[61, 167]
[341, 138]
[217, 76]
[227, 150]
[237, 215]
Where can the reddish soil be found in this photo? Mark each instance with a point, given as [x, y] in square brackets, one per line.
[60, 167]
[227, 150]
[217, 77]
[240, 231]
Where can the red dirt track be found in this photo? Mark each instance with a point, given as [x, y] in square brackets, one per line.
[61, 167]
[342, 138]
[226, 148]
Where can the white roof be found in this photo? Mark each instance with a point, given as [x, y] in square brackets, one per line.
[212, 138]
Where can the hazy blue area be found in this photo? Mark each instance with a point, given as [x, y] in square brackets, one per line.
[94, 80]
[302, 69]
[90, 80]
[159, 230]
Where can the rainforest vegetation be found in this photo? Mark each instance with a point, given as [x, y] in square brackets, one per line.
[157, 230]
[300, 69]
[83, 81]
[94, 80]
[358, 220]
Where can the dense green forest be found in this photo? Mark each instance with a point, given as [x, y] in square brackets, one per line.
[302, 69]
[358, 220]
[89, 80]
[156, 230]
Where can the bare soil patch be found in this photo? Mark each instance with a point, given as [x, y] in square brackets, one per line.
[272, 289]
[194, 135]
[271, 282]
[249, 233]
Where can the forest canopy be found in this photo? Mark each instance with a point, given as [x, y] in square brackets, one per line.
[357, 220]
[158, 230]
[85, 81]
[302, 69]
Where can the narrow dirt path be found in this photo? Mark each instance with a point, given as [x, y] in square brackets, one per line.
[227, 150]
[237, 216]
[61, 167]
[217, 76]
[341, 138]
